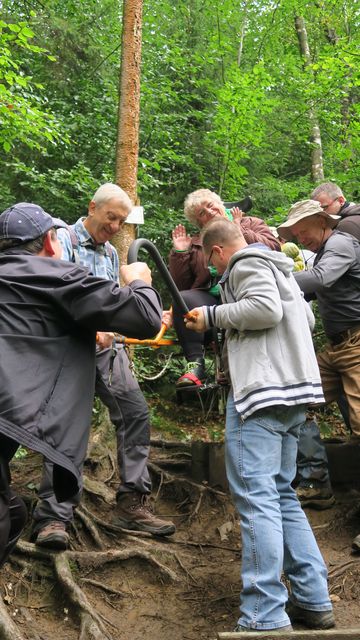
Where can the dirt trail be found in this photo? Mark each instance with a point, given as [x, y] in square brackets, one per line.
[117, 586]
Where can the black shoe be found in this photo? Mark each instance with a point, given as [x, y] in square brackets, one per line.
[194, 374]
[310, 619]
[315, 497]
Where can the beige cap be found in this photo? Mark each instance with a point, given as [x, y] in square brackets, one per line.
[304, 209]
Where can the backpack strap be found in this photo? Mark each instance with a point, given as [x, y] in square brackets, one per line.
[75, 244]
[109, 249]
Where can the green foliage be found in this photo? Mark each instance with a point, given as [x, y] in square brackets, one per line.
[225, 101]
[21, 453]
[23, 118]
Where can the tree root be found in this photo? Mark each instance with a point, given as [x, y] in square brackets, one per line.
[90, 526]
[8, 629]
[100, 558]
[99, 489]
[93, 626]
[104, 587]
[189, 487]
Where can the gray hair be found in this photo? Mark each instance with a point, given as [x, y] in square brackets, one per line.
[328, 188]
[33, 246]
[198, 198]
[108, 191]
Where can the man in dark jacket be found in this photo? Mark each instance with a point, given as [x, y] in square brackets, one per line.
[334, 202]
[50, 311]
[335, 281]
[314, 489]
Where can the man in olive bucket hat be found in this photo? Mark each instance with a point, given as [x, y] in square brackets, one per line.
[334, 281]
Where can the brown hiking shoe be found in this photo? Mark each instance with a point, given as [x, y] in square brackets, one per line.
[53, 536]
[315, 497]
[134, 512]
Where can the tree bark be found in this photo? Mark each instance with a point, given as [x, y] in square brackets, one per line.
[317, 166]
[127, 149]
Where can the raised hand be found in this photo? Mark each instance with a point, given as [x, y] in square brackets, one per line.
[181, 240]
[237, 214]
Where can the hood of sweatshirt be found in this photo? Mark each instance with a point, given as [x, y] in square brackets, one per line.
[280, 260]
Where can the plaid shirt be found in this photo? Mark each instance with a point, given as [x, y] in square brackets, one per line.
[101, 259]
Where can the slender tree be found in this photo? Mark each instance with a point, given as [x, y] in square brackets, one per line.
[127, 150]
[317, 166]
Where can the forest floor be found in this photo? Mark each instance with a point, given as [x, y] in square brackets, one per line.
[116, 585]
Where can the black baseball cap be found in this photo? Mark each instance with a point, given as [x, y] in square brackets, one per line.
[26, 221]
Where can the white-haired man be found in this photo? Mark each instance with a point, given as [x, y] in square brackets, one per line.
[87, 243]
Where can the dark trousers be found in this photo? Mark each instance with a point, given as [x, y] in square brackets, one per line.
[13, 513]
[129, 414]
[192, 343]
[312, 462]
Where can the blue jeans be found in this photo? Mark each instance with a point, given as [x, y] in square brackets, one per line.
[276, 536]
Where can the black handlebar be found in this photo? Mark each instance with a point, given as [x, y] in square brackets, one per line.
[144, 243]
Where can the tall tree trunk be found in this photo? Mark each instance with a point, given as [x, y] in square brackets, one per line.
[317, 167]
[127, 150]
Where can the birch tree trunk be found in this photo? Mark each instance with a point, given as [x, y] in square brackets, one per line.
[317, 167]
[127, 149]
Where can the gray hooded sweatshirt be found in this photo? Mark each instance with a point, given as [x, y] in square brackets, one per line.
[269, 345]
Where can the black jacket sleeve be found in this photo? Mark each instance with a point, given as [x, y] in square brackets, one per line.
[101, 305]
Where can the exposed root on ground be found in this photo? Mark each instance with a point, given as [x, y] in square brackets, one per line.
[344, 580]
[99, 489]
[93, 625]
[90, 526]
[8, 628]
[194, 492]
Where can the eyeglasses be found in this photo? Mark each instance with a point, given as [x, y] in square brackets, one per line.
[212, 251]
[326, 206]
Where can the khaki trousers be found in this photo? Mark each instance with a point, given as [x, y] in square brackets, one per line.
[340, 365]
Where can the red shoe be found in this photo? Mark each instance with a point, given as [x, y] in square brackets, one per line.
[194, 374]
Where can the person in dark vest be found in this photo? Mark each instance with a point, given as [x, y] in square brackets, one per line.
[314, 485]
[334, 281]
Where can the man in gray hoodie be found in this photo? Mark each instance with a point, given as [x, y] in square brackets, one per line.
[274, 375]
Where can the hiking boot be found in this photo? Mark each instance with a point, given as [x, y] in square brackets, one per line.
[315, 497]
[53, 536]
[239, 628]
[194, 374]
[134, 512]
[356, 543]
[310, 619]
